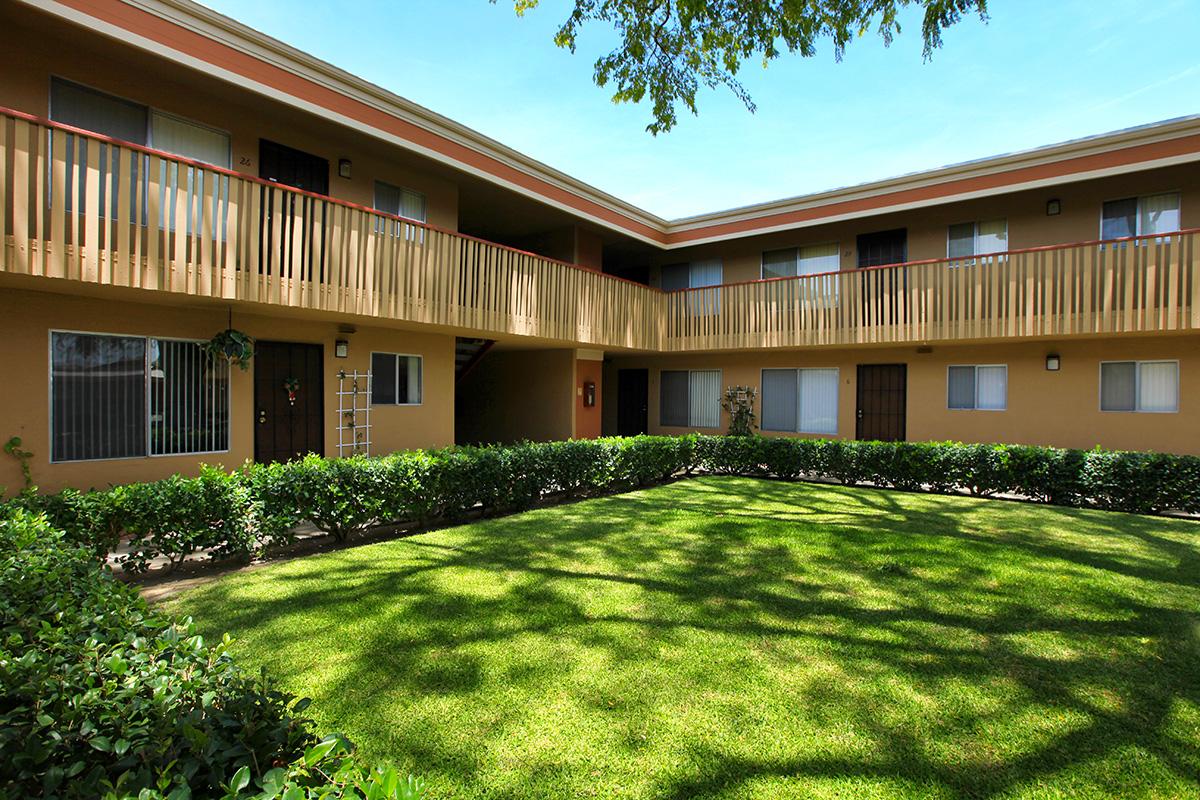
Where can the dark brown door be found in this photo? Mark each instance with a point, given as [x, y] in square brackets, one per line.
[288, 427]
[292, 167]
[882, 402]
[883, 247]
[633, 390]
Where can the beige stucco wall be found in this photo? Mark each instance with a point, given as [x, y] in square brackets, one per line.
[514, 395]
[119, 70]
[1028, 225]
[26, 319]
[1045, 408]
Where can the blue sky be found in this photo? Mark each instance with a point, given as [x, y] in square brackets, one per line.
[1041, 71]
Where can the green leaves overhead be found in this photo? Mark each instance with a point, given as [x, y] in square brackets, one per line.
[669, 48]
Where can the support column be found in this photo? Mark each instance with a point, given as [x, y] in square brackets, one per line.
[589, 368]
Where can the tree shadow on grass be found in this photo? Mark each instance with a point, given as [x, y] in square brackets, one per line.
[976, 648]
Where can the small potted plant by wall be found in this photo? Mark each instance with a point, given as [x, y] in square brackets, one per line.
[233, 346]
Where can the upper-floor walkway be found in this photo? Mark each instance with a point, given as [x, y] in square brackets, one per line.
[79, 207]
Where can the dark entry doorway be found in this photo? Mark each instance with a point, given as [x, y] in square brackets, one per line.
[287, 428]
[292, 167]
[883, 247]
[882, 402]
[633, 400]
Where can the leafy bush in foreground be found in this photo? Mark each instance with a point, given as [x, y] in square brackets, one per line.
[101, 697]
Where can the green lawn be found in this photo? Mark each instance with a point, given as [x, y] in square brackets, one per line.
[726, 637]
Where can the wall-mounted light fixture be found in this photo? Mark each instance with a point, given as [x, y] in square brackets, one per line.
[341, 348]
[1053, 207]
[1053, 362]
[344, 168]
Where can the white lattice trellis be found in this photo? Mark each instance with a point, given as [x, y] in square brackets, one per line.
[354, 413]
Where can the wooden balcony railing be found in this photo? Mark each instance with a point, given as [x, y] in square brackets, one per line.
[1146, 283]
[83, 207]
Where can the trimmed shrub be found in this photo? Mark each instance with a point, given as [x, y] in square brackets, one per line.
[341, 496]
[178, 516]
[239, 513]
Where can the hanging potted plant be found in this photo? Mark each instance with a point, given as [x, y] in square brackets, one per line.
[231, 345]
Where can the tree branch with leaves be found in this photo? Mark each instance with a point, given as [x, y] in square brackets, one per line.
[670, 48]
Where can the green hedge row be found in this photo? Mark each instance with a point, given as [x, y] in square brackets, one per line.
[242, 512]
[101, 697]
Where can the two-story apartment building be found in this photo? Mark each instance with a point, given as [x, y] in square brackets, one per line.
[167, 174]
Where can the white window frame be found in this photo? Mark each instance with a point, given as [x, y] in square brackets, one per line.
[420, 373]
[975, 242]
[1137, 385]
[690, 424]
[1137, 216]
[146, 389]
[837, 422]
[975, 368]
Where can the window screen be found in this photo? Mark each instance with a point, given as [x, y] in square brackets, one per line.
[779, 263]
[1119, 219]
[1118, 386]
[673, 398]
[85, 108]
[961, 391]
[676, 277]
[780, 399]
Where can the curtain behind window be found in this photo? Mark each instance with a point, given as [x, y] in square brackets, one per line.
[818, 258]
[189, 140]
[818, 400]
[704, 399]
[1158, 213]
[991, 388]
[1158, 384]
[993, 237]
